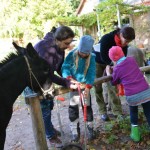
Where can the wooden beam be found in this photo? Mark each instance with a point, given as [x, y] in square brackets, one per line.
[145, 68]
[63, 90]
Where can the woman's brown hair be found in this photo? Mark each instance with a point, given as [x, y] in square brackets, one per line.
[128, 33]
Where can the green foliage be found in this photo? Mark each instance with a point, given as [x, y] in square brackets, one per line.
[121, 126]
[144, 129]
[107, 12]
[119, 123]
[107, 9]
[88, 20]
[124, 123]
[84, 20]
[29, 17]
[74, 4]
[111, 139]
[109, 127]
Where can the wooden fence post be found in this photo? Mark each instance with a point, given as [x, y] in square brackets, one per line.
[37, 123]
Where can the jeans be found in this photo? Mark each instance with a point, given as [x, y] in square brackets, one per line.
[28, 92]
[134, 113]
[49, 129]
[46, 107]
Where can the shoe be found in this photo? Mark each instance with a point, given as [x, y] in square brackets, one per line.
[90, 133]
[76, 135]
[55, 142]
[78, 129]
[135, 134]
[58, 133]
[104, 117]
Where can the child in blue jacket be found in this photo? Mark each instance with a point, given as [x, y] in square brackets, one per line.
[80, 65]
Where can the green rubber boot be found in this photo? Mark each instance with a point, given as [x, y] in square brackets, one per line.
[135, 133]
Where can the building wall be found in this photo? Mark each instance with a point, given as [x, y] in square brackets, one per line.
[141, 25]
[134, 2]
[91, 31]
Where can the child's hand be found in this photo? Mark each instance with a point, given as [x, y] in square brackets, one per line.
[73, 86]
[73, 81]
[108, 70]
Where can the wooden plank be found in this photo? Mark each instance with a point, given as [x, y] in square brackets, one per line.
[145, 68]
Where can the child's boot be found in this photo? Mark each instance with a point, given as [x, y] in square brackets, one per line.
[90, 131]
[75, 131]
[135, 133]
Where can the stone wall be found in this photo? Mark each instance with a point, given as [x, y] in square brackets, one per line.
[141, 25]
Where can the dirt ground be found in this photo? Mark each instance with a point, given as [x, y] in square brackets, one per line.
[19, 132]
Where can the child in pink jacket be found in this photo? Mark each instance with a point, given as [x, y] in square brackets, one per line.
[137, 91]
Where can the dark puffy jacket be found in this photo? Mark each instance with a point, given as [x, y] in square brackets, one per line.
[48, 50]
[106, 42]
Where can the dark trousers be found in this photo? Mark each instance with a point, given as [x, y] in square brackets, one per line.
[74, 107]
[134, 113]
[113, 98]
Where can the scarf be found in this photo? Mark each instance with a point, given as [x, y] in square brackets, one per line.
[117, 40]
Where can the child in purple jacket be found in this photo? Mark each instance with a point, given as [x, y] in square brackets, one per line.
[137, 91]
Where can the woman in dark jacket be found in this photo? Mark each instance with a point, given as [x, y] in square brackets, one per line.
[52, 49]
[120, 37]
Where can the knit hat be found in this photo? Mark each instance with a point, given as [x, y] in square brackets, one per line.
[86, 44]
[115, 53]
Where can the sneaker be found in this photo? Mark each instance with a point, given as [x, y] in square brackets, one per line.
[55, 142]
[58, 133]
[90, 133]
[104, 117]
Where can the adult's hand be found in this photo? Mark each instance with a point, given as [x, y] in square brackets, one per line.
[73, 86]
[74, 81]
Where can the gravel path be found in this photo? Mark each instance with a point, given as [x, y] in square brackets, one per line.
[20, 134]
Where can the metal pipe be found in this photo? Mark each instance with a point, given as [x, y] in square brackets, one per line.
[59, 121]
[118, 16]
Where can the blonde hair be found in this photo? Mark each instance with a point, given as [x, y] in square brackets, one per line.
[76, 60]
